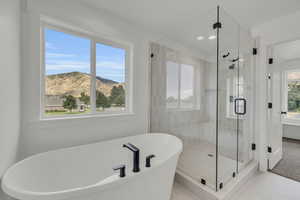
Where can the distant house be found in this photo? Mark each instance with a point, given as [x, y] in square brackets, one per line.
[55, 103]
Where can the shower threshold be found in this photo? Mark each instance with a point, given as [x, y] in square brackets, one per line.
[199, 162]
[206, 191]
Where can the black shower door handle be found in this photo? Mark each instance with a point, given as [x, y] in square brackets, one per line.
[236, 102]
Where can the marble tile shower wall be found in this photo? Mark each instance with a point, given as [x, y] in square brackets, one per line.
[195, 125]
[188, 124]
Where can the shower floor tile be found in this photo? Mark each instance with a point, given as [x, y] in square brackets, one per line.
[199, 162]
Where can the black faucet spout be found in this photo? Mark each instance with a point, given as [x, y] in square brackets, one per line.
[136, 156]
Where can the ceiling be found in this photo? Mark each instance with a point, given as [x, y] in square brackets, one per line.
[287, 51]
[183, 20]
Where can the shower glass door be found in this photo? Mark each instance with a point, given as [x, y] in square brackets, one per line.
[229, 101]
[205, 99]
[245, 84]
[234, 134]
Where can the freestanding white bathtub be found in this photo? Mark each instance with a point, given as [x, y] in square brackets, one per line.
[85, 172]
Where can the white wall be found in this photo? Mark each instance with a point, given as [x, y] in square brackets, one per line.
[291, 131]
[39, 136]
[282, 29]
[9, 81]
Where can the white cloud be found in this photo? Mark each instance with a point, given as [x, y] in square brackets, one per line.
[49, 45]
[110, 64]
[67, 65]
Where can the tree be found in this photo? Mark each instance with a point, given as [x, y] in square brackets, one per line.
[117, 95]
[294, 96]
[101, 100]
[119, 100]
[69, 102]
[84, 98]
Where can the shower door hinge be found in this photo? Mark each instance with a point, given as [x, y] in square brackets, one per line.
[217, 25]
[271, 61]
[269, 149]
[270, 105]
[269, 76]
[253, 146]
[254, 51]
[221, 185]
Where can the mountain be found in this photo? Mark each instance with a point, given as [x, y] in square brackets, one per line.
[74, 83]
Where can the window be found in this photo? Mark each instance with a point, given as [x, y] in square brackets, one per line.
[292, 94]
[180, 86]
[110, 78]
[78, 83]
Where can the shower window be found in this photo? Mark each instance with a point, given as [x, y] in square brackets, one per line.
[180, 88]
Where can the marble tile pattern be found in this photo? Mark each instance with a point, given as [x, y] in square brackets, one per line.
[197, 126]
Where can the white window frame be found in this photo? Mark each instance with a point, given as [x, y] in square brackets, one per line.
[284, 89]
[94, 40]
[196, 105]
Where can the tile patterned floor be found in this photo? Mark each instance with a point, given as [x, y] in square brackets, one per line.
[182, 193]
[269, 186]
[289, 165]
[262, 186]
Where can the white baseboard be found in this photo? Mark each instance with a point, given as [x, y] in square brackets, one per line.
[275, 158]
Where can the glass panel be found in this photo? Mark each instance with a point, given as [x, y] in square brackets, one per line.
[206, 94]
[110, 78]
[245, 85]
[67, 73]
[228, 98]
[189, 85]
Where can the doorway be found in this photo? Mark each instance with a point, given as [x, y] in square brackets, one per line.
[283, 115]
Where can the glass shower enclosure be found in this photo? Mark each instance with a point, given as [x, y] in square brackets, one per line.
[206, 100]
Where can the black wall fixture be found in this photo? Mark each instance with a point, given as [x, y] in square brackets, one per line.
[217, 25]
[226, 55]
[254, 51]
[270, 149]
[271, 61]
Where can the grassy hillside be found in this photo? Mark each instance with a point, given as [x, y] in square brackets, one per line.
[74, 83]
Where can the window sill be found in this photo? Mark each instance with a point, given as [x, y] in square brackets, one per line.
[292, 122]
[87, 116]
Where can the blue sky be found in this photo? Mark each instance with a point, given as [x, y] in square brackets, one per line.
[68, 53]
